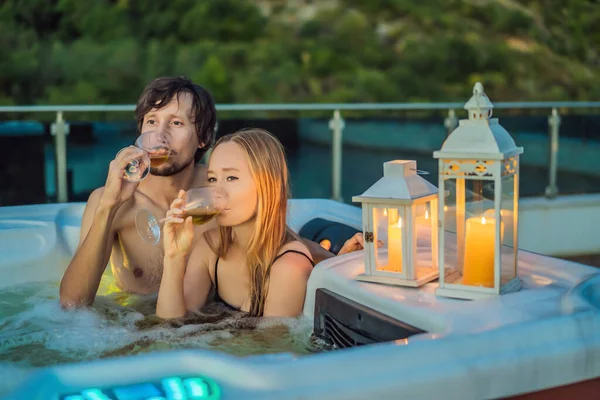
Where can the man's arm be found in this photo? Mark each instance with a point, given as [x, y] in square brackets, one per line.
[356, 243]
[317, 252]
[82, 277]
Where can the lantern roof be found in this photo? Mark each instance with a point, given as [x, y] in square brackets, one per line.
[479, 136]
[400, 183]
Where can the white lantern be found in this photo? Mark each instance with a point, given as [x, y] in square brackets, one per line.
[400, 210]
[479, 179]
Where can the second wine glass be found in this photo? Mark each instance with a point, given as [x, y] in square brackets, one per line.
[202, 204]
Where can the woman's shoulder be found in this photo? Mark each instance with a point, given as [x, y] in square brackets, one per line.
[294, 253]
[292, 265]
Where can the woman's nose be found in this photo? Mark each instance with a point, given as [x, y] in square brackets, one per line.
[219, 197]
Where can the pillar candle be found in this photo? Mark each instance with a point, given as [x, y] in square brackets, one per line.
[395, 246]
[478, 268]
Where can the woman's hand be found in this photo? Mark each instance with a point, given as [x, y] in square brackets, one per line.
[178, 233]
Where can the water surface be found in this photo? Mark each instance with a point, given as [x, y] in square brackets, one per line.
[36, 332]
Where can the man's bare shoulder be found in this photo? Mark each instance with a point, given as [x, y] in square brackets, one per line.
[94, 201]
[95, 197]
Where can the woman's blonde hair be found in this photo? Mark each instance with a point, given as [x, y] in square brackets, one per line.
[266, 157]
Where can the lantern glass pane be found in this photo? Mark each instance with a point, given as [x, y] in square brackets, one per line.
[478, 246]
[426, 235]
[510, 222]
[468, 214]
[450, 215]
[379, 234]
[390, 228]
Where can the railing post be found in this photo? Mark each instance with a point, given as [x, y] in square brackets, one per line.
[60, 130]
[336, 124]
[450, 122]
[554, 124]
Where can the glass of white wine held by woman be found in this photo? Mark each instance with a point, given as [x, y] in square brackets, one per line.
[202, 204]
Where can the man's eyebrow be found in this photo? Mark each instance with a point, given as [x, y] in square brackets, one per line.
[153, 114]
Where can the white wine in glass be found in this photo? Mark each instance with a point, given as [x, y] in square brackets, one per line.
[157, 159]
[202, 204]
[155, 152]
[200, 216]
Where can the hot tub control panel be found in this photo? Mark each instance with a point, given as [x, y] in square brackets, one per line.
[171, 388]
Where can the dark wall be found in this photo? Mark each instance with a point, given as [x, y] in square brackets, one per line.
[22, 169]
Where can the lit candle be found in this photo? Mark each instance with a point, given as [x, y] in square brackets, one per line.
[395, 246]
[478, 268]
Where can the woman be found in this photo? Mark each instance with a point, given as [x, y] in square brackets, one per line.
[254, 261]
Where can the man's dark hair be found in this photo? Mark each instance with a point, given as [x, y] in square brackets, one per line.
[161, 91]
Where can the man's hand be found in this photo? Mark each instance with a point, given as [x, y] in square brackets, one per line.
[355, 243]
[117, 190]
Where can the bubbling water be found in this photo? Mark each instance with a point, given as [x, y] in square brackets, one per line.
[35, 331]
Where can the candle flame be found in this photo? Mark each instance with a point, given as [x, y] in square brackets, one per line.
[426, 214]
[385, 212]
[399, 222]
[483, 220]
[445, 208]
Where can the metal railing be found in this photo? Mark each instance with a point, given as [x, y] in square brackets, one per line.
[60, 129]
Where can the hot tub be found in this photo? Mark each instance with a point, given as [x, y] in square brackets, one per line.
[544, 337]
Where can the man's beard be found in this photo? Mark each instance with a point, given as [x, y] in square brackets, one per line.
[170, 170]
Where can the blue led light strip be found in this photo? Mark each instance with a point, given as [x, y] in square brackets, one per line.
[173, 388]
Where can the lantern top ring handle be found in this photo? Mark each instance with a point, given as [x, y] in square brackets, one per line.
[420, 171]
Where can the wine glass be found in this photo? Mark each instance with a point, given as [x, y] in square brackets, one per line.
[202, 204]
[155, 152]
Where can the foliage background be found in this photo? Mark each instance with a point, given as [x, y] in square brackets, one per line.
[273, 51]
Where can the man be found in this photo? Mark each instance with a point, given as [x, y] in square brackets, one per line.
[185, 113]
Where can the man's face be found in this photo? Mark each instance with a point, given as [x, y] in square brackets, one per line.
[176, 124]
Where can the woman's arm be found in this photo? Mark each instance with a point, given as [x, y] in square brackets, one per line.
[186, 283]
[287, 284]
[178, 237]
[197, 281]
[171, 302]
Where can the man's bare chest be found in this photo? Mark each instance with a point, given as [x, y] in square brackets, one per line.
[137, 266]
